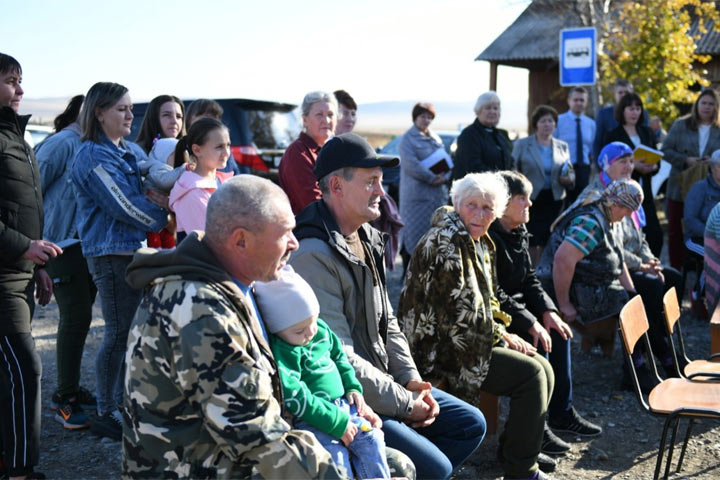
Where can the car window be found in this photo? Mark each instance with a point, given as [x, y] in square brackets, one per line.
[273, 129]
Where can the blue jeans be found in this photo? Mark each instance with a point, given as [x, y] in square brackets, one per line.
[118, 302]
[439, 448]
[366, 453]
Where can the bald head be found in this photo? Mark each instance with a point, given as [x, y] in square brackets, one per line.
[244, 201]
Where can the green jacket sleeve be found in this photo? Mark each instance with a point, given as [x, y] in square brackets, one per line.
[347, 372]
[299, 400]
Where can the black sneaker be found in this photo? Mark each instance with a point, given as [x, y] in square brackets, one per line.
[552, 444]
[108, 425]
[86, 399]
[575, 424]
[546, 463]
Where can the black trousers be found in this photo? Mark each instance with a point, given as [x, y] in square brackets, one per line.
[20, 371]
[651, 289]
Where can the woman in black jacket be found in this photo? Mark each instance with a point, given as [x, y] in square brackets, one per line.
[522, 297]
[629, 115]
[481, 147]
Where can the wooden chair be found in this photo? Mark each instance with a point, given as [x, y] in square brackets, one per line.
[715, 330]
[673, 398]
[693, 369]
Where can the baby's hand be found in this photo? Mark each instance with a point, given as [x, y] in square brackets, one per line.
[354, 398]
[350, 432]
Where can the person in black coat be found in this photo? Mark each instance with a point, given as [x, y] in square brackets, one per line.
[629, 114]
[522, 297]
[481, 147]
[21, 250]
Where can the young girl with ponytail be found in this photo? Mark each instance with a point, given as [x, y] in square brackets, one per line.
[207, 146]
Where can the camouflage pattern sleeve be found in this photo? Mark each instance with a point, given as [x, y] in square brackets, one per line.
[200, 398]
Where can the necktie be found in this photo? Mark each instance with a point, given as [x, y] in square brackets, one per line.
[579, 145]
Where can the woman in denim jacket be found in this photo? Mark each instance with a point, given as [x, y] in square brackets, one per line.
[73, 286]
[113, 215]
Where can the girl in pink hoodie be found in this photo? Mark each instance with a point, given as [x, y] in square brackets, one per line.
[208, 146]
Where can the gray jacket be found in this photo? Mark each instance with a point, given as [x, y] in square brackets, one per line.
[682, 142]
[418, 197]
[527, 160]
[344, 288]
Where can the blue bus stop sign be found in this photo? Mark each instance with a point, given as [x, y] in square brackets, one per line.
[577, 56]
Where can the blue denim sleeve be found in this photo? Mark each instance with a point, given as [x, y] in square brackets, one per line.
[118, 193]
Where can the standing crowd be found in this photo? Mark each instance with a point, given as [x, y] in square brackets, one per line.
[255, 334]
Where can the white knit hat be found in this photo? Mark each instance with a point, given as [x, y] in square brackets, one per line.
[162, 149]
[286, 301]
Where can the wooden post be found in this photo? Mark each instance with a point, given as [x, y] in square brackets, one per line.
[493, 76]
[489, 405]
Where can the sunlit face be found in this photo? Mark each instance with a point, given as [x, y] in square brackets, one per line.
[632, 114]
[618, 212]
[423, 121]
[171, 119]
[517, 211]
[477, 213]
[620, 92]
[545, 126]
[346, 119]
[706, 109]
[11, 92]
[214, 153]
[268, 249]
[116, 120]
[621, 168]
[577, 102]
[300, 333]
[320, 122]
[489, 115]
[361, 195]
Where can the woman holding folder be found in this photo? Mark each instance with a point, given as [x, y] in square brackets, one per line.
[545, 161]
[421, 183]
[630, 131]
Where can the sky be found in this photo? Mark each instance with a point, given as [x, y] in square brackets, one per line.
[378, 50]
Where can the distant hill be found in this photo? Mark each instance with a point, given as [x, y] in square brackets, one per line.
[393, 116]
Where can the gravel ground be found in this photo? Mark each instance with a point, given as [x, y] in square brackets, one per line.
[626, 450]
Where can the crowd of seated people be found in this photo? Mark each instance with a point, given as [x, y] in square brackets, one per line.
[219, 359]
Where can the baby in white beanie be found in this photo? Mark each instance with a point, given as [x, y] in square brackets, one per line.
[319, 384]
[157, 170]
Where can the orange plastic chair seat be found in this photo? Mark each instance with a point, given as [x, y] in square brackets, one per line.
[675, 393]
[701, 366]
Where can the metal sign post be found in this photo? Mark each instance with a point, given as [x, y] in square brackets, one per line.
[578, 59]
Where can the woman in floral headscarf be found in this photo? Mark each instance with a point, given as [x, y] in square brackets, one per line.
[584, 259]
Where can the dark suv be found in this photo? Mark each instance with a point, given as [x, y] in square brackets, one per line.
[259, 131]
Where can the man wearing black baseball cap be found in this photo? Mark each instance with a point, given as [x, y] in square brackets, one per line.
[341, 256]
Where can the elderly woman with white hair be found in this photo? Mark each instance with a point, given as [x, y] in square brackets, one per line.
[481, 146]
[319, 116]
[456, 329]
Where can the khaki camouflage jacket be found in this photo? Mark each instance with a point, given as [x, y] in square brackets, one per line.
[202, 394]
[447, 306]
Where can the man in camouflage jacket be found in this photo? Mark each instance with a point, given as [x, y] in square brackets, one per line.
[202, 393]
